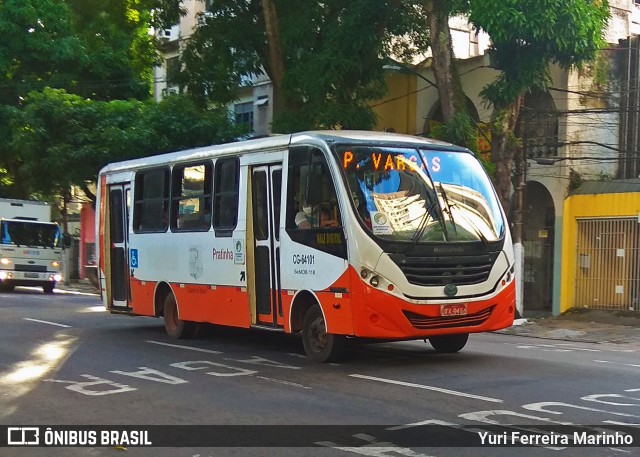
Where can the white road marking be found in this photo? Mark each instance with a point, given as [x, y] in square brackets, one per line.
[179, 346]
[618, 363]
[543, 408]
[300, 356]
[574, 348]
[567, 347]
[281, 381]
[46, 322]
[433, 388]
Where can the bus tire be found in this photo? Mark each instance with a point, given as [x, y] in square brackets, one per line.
[177, 328]
[319, 345]
[48, 288]
[448, 344]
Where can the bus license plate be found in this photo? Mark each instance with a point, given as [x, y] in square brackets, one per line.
[458, 309]
[31, 275]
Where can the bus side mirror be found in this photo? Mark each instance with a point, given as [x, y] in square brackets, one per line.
[67, 239]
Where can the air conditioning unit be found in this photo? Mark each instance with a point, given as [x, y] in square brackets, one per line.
[171, 90]
[202, 18]
[166, 35]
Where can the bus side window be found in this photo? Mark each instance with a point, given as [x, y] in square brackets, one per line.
[191, 197]
[310, 190]
[225, 198]
[151, 201]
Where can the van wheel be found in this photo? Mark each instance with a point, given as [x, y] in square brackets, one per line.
[448, 344]
[177, 328]
[48, 288]
[319, 345]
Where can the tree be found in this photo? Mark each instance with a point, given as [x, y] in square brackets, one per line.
[63, 139]
[62, 58]
[528, 36]
[325, 59]
[39, 48]
[119, 51]
[98, 49]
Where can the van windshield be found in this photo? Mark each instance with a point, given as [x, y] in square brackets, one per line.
[32, 234]
[411, 195]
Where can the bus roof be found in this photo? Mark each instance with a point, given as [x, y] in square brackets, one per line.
[279, 142]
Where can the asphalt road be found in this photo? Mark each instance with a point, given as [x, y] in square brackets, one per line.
[64, 361]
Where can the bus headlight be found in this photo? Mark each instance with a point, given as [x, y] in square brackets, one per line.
[506, 279]
[374, 281]
[56, 263]
[5, 261]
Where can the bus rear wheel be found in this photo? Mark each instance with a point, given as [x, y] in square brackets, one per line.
[449, 344]
[319, 345]
[177, 328]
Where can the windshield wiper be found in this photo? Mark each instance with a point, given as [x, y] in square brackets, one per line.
[455, 205]
[423, 223]
[448, 207]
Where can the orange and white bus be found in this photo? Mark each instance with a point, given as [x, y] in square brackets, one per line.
[333, 234]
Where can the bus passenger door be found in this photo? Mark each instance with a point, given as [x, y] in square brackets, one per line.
[119, 198]
[266, 190]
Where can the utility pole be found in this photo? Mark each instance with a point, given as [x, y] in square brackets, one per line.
[518, 247]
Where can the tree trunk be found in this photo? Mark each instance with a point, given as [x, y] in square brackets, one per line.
[505, 148]
[452, 97]
[276, 60]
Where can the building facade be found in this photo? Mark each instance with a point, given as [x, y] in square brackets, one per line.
[585, 127]
[252, 108]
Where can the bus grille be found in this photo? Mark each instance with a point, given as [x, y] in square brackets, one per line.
[39, 268]
[432, 323]
[440, 271]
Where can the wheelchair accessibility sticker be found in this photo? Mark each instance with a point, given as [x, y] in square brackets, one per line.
[133, 255]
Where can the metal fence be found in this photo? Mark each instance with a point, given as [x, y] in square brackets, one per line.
[608, 264]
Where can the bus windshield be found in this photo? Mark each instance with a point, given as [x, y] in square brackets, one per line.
[32, 234]
[411, 195]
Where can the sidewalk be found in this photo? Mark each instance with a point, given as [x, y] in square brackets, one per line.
[82, 286]
[584, 325]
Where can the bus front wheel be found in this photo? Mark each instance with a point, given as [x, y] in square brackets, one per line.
[319, 345]
[449, 344]
[177, 328]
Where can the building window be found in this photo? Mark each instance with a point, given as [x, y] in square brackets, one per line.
[225, 199]
[191, 210]
[173, 71]
[244, 114]
[151, 204]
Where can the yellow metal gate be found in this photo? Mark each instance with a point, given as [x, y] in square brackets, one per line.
[608, 270]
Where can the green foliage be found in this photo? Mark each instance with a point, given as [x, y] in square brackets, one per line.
[94, 48]
[75, 80]
[575, 180]
[119, 51]
[462, 130]
[529, 35]
[59, 139]
[332, 54]
[38, 48]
